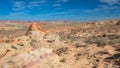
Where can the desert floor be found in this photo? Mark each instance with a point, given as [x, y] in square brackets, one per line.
[60, 45]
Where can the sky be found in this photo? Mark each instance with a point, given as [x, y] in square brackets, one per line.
[63, 10]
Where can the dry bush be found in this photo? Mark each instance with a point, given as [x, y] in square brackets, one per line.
[96, 40]
[68, 36]
[104, 40]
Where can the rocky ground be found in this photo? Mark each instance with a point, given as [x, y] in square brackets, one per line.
[78, 45]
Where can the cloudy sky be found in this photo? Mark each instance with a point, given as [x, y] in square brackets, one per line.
[47, 10]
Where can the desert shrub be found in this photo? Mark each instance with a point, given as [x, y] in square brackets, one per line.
[77, 56]
[96, 40]
[63, 60]
[61, 51]
[112, 37]
[103, 40]
[73, 37]
[115, 42]
[68, 36]
[13, 47]
[7, 41]
[74, 31]
[114, 59]
[77, 45]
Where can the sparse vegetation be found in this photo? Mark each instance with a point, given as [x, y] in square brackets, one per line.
[63, 60]
[104, 40]
[73, 45]
[96, 40]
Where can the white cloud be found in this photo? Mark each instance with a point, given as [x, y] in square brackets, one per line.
[59, 8]
[52, 13]
[56, 5]
[20, 8]
[17, 13]
[101, 8]
[21, 5]
[36, 3]
[62, 1]
[109, 6]
[18, 5]
[110, 2]
[58, 2]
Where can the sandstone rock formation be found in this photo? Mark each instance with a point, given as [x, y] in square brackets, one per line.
[118, 23]
[35, 27]
[28, 60]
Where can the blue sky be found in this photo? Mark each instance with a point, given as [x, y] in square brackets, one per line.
[70, 10]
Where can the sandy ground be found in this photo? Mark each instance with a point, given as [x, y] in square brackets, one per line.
[65, 45]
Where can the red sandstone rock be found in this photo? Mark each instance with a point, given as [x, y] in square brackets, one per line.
[35, 27]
